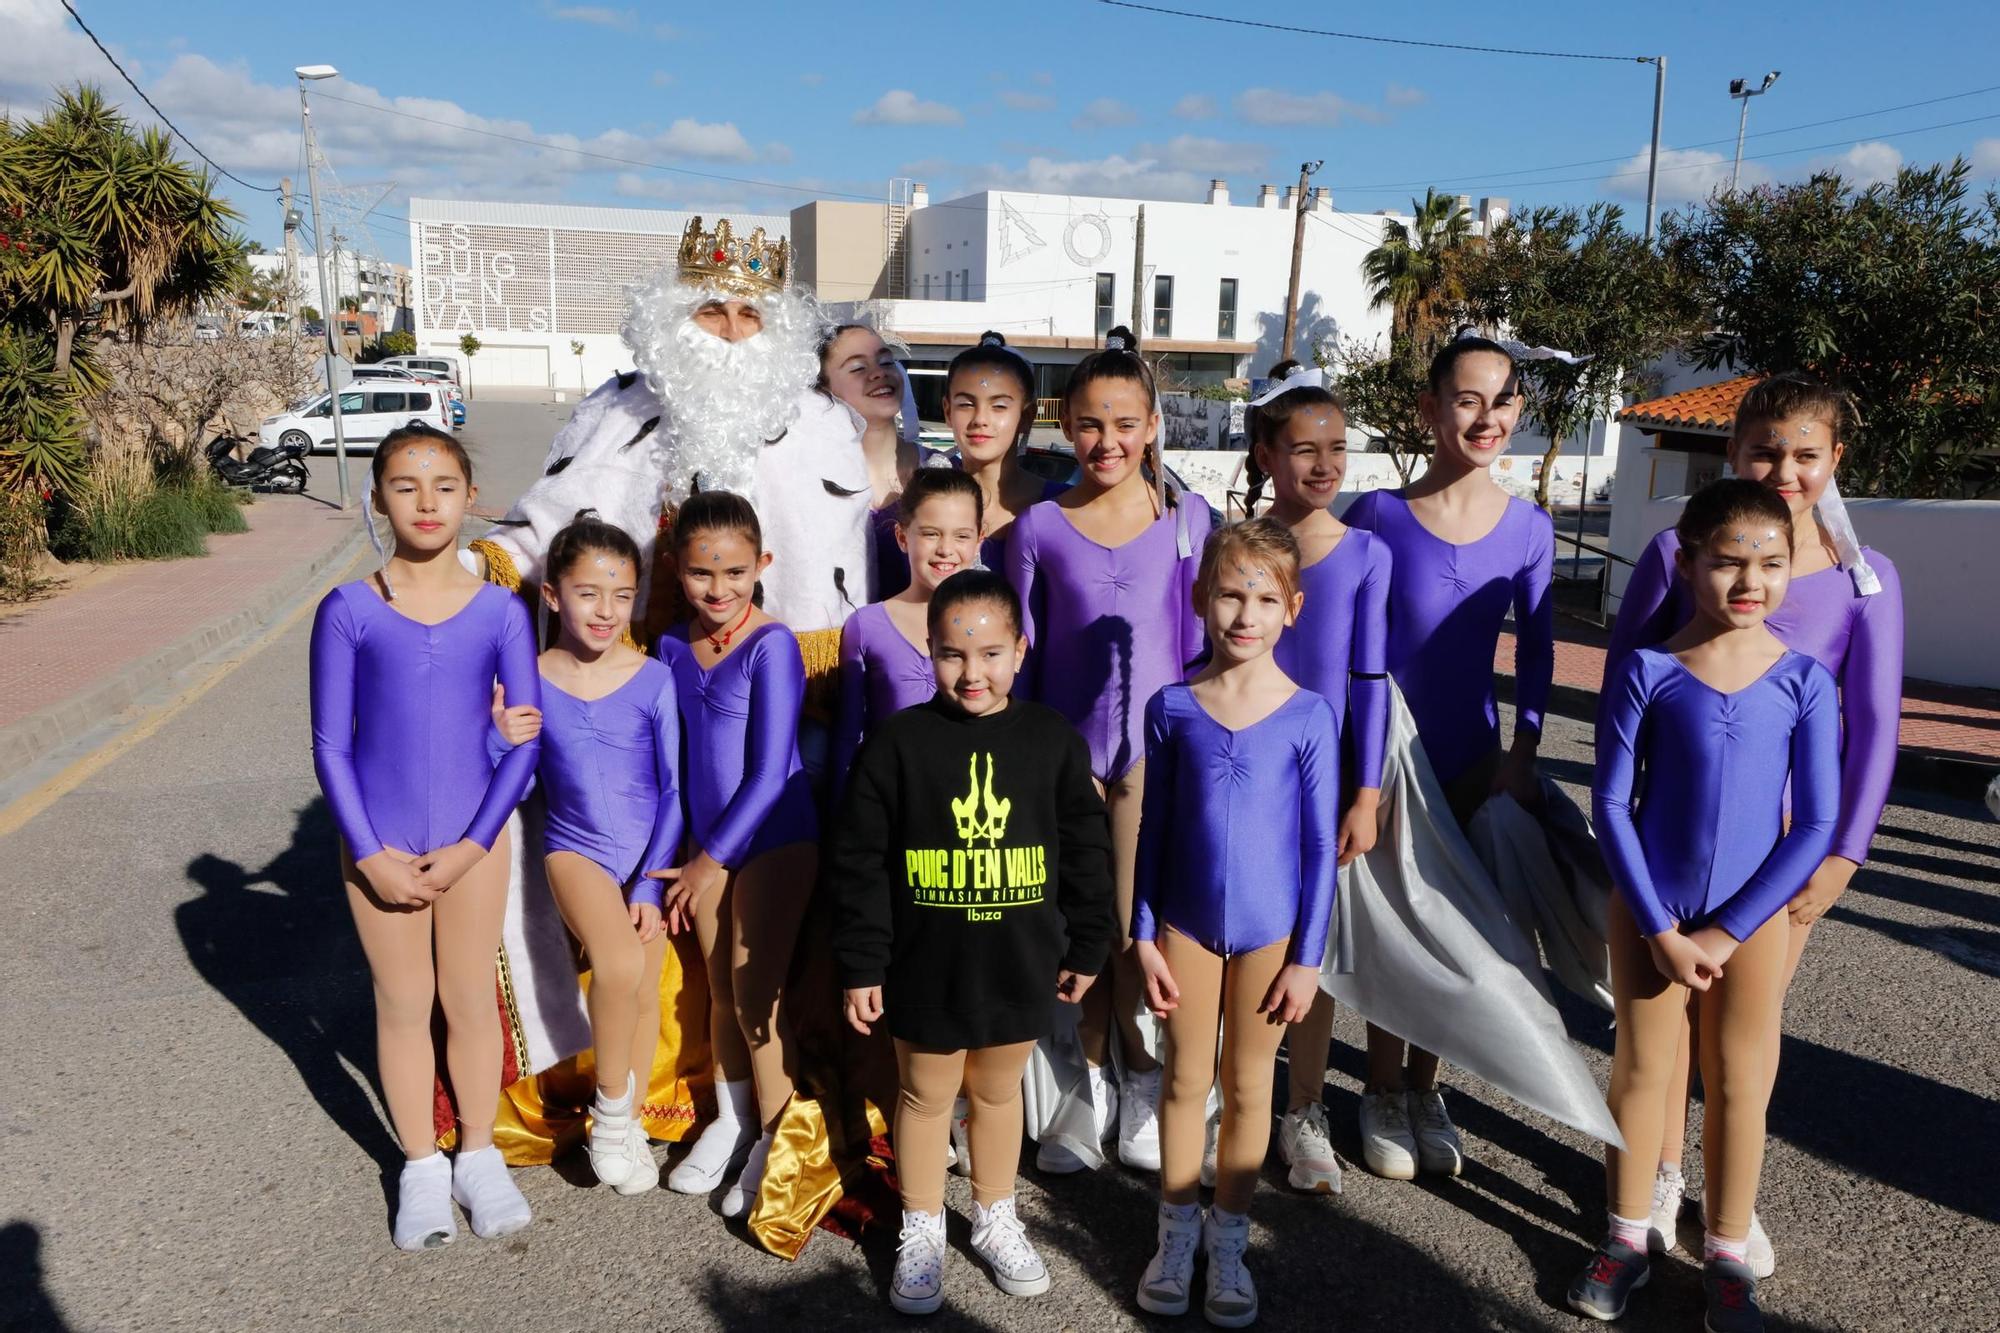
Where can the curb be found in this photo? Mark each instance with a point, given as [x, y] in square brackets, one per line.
[1916, 770]
[38, 735]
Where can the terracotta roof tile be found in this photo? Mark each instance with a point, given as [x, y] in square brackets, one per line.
[1709, 408]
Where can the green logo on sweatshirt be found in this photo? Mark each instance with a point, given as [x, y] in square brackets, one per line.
[980, 880]
[977, 814]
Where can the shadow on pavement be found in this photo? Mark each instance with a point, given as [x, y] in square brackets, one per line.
[25, 1304]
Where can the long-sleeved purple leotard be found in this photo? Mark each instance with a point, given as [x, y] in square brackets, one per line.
[400, 716]
[1859, 639]
[1239, 830]
[608, 774]
[747, 792]
[1709, 843]
[1446, 605]
[881, 672]
[892, 564]
[1107, 626]
[1340, 647]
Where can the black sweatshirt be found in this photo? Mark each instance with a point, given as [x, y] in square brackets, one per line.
[971, 862]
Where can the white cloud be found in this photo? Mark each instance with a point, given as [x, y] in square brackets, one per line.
[1985, 157]
[1195, 106]
[1115, 176]
[1273, 106]
[1864, 164]
[1687, 175]
[899, 106]
[1016, 100]
[1102, 112]
[601, 16]
[1198, 152]
[1399, 95]
[661, 78]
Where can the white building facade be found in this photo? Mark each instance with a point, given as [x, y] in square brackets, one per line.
[530, 280]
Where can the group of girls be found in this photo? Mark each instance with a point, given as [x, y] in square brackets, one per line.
[1140, 748]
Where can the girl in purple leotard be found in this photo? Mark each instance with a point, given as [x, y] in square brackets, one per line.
[1845, 610]
[861, 370]
[1721, 719]
[1234, 895]
[403, 672]
[885, 661]
[1466, 554]
[1338, 649]
[752, 832]
[1105, 574]
[611, 742]
[990, 406]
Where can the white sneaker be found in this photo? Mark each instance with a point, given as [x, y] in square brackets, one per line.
[424, 1218]
[481, 1185]
[1757, 1253]
[1060, 1161]
[722, 1144]
[1208, 1148]
[959, 1159]
[1231, 1298]
[999, 1238]
[645, 1176]
[1170, 1273]
[1664, 1225]
[1388, 1148]
[918, 1284]
[1438, 1148]
[1139, 1121]
[741, 1197]
[1307, 1148]
[620, 1157]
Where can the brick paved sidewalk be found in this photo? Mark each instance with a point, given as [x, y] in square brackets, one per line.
[1948, 721]
[72, 661]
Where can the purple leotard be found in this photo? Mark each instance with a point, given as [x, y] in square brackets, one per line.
[1446, 606]
[892, 564]
[1107, 626]
[746, 791]
[607, 772]
[1239, 833]
[1340, 647]
[881, 672]
[1859, 639]
[400, 716]
[1709, 843]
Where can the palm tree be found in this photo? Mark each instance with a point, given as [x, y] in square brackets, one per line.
[1413, 271]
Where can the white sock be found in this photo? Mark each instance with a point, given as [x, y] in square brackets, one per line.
[480, 1183]
[1626, 1231]
[1720, 1247]
[423, 1203]
[735, 1120]
[613, 1108]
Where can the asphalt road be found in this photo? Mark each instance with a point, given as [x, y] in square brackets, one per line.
[192, 1139]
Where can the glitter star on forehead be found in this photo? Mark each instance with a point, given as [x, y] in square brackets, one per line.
[1756, 544]
[1250, 578]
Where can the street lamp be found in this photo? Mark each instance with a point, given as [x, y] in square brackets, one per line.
[328, 318]
[1741, 90]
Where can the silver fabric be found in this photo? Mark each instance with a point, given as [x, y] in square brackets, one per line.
[1552, 877]
[1424, 944]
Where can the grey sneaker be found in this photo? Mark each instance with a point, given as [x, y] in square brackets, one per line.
[1169, 1275]
[1387, 1146]
[1231, 1298]
[1608, 1281]
[1438, 1148]
[1731, 1290]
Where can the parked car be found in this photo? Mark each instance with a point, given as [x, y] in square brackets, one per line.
[368, 411]
[436, 363]
[378, 371]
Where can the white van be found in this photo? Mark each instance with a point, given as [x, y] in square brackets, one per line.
[436, 363]
[369, 410]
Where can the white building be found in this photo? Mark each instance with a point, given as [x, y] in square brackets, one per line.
[528, 280]
[382, 288]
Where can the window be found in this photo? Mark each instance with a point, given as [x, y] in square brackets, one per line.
[380, 402]
[947, 284]
[1225, 316]
[927, 286]
[420, 402]
[1163, 306]
[1107, 299]
[350, 404]
[965, 284]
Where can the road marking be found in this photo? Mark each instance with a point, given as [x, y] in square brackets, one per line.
[26, 808]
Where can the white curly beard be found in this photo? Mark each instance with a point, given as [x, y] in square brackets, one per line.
[723, 399]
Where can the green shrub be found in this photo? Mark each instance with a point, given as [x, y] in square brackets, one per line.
[220, 508]
[167, 523]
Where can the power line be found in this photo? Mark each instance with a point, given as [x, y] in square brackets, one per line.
[1369, 37]
[262, 189]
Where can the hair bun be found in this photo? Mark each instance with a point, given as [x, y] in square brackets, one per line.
[582, 514]
[991, 339]
[1121, 339]
[1466, 331]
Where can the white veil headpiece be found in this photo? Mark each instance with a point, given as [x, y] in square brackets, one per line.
[1833, 512]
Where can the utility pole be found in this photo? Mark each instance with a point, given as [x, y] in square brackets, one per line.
[1653, 161]
[1306, 169]
[1139, 272]
[329, 317]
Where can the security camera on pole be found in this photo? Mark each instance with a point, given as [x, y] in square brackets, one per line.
[1741, 90]
[329, 318]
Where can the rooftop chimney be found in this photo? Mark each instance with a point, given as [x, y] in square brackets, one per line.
[1267, 196]
[1291, 196]
[1218, 192]
[1465, 202]
[1322, 199]
[920, 195]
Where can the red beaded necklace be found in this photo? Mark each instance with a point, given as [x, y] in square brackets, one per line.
[721, 641]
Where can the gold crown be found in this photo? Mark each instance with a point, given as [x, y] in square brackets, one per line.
[753, 267]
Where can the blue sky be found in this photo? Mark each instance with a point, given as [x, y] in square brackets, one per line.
[797, 101]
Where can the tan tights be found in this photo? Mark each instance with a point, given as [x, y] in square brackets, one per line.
[746, 933]
[1739, 1054]
[931, 1080]
[442, 954]
[624, 974]
[1119, 1004]
[1309, 1050]
[1218, 995]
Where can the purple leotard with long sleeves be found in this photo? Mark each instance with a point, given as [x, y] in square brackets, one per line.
[747, 793]
[1107, 626]
[1446, 606]
[400, 716]
[1239, 834]
[608, 774]
[1339, 648]
[1859, 639]
[892, 564]
[1709, 843]
[881, 672]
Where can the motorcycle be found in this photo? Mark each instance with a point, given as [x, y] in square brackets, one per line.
[266, 468]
